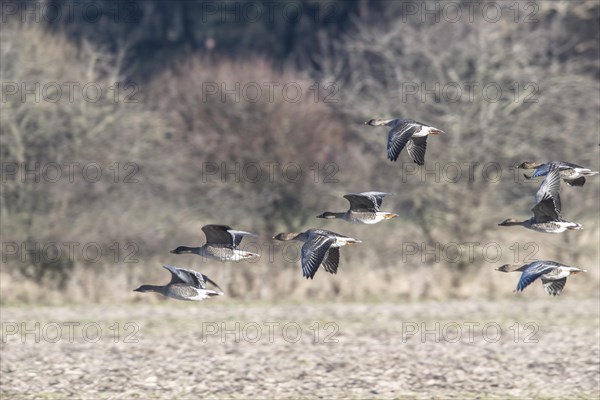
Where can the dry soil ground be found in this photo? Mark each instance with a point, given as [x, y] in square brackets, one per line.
[547, 348]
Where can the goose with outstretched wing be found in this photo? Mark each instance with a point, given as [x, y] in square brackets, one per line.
[320, 248]
[364, 209]
[406, 133]
[572, 174]
[185, 284]
[547, 216]
[552, 274]
[222, 243]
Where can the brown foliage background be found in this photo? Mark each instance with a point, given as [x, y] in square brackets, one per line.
[174, 134]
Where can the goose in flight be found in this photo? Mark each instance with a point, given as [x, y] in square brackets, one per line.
[547, 212]
[222, 243]
[364, 209]
[572, 174]
[185, 285]
[321, 247]
[552, 274]
[409, 133]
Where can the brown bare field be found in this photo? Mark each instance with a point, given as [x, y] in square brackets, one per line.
[480, 349]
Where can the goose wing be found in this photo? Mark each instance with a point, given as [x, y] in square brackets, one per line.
[365, 201]
[238, 236]
[332, 259]
[416, 149]
[190, 277]
[562, 165]
[554, 287]
[576, 182]
[378, 196]
[324, 232]
[548, 205]
[546, 168]
[545, 211]
[218, 234]
[543, 170]
[399, 137]
[313, 253]
[531, 273]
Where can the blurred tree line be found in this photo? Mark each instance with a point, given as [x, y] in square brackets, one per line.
[287, 32]
[369, 50]
[157, 32]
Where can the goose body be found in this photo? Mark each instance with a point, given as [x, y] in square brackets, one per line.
[406, 133]
[222, 244]
[547, 211]
[546, 227]
[364, 209]
[572, 174]
[185, 284]
[552, 274]
[320, 248]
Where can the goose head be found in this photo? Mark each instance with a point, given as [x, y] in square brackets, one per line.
[286, 236]
[510, 222]
[182, 250]
[328, 215]
[529, 165]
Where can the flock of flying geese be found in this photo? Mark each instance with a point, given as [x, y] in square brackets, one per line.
[321, 247]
